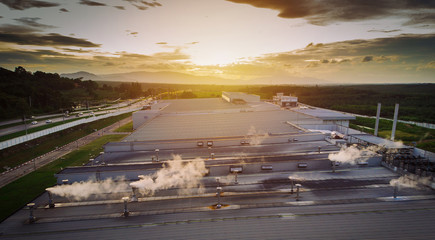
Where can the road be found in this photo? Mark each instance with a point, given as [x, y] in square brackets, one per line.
[30, 166]
[58, 118]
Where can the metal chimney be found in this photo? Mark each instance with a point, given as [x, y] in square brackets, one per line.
[134, 197]
[125, 199]
[50, 200]
[378, 113]
[297, 191]
[32, 218]
[396, 112]
[218, 194]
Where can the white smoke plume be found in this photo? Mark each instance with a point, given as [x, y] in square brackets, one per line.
[406, 181]
[256, 137]
[350, 154]
[83, 190]
[175, 174]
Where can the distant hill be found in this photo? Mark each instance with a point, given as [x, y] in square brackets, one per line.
[82, 74]
[183, 78]
[165, 77]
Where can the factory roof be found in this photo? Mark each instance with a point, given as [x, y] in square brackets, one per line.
[380, 141]
[324, 114]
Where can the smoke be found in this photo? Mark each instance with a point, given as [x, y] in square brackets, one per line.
[256, 137]
[83, 190]
[351, 154]
[174, 174]
[406, 181]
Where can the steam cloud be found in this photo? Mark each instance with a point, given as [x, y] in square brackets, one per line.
[175, 173]
[83, 190]
[256, 137]
[406, 181]
[350, 154]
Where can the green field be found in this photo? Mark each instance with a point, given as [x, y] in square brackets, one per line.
[22, 191]
[424, 138]
[128, 127]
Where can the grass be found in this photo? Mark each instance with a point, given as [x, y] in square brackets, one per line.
[126, 127]
[17, 194]
[50, 142]
[408, 133]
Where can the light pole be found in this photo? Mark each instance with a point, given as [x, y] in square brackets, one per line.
[235, 178]
[291, 185]
[396, 190]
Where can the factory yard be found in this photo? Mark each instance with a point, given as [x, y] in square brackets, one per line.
[257, 174]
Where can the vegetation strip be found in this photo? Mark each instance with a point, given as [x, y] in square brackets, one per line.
[22, 153]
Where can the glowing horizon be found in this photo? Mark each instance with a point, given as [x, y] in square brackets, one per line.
[235, 39]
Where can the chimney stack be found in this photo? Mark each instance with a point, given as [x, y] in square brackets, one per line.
[378, 113]
[396, 112]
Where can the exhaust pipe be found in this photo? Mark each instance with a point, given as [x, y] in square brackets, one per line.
[396, 190]
[133, 197]
[32, 218]
[50, 200]
[218, 194]
[126, 213]
[297, 191]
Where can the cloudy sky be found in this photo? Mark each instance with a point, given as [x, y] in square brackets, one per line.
[274, 41]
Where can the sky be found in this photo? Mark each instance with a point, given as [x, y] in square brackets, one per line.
[246, 41]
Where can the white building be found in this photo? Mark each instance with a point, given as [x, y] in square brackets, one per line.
[285, 101]
[239, 97]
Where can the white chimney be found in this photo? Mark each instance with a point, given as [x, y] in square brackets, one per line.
[396, 112]
[378, 113]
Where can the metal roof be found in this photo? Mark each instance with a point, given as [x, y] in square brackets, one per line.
[380, 141]
[324, 114]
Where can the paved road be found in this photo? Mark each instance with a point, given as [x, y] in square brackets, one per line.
[9, 176]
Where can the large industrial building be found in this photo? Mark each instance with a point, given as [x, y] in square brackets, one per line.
[237, 168]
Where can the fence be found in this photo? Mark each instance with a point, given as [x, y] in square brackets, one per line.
[28, 137]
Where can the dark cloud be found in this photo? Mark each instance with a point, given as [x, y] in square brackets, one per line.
[193, 43]
[75, 50]
[162, 43]
[51, 39]
[421, 18]
[25, 4]
[367, 59]
[134, 34]
[329, 11]
[92, 3]
[1, 16]
[63, 10]
[325, 61]
[384, 31]
[12, 28]
[143, 5]
[119, 7]
[32, 22]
